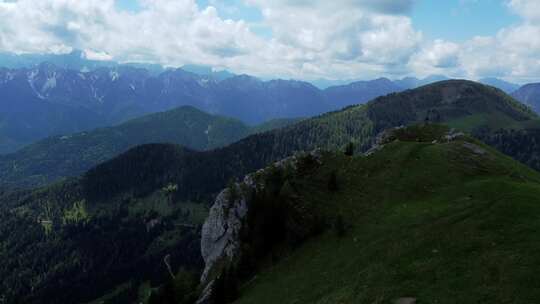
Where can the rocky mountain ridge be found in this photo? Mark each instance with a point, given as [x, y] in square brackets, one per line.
[224, 243]
[221, 235]
[69, 101]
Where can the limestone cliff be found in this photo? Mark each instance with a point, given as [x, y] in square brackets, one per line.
[221, 232]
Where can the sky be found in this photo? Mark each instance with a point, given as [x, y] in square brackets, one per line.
[301, 39]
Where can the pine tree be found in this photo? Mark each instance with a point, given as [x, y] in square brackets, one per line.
[332, 182]
[349, 149]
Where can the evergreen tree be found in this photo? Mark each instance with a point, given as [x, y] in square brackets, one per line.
[332, 182]
[170, 190]
[349, 149]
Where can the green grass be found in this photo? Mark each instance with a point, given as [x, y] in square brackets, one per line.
[431, 221]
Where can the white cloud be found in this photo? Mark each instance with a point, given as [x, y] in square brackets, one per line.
[513, 53]
[311, 39]
[529, 9]
[348, 39]
[167, 31]
[439, 57]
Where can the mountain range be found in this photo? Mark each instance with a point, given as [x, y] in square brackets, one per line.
[47, 100]
[152, 199]
[506, 86]
[483, 111]
[530, 95]
[77, 60]
[64, 156]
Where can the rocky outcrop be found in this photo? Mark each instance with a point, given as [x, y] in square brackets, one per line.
[405, 301]
[387, 136]
[220, 236]
[383, 138]
[474, 148]
[453, 135]
[206, 294]
[220, 239]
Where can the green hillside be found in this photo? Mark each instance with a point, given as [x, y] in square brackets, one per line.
[274, 124]
[443, 222]
[468, 106]
[463, 104]
[113, 203]
[58, 239]
[71, 155]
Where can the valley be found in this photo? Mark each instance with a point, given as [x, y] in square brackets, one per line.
[65, 156]
[269, 152]
[154, 198]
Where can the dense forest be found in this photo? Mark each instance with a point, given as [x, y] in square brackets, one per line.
[148, 203]
[71, 155]
[522, 145]
[63, 242]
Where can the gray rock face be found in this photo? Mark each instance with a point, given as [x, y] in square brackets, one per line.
[474, 148]
[220, 236]
[383, 138]
[206, 295]
[220, 239]
[453, 135]
[220, 233]
[387, 136]
[405, 301]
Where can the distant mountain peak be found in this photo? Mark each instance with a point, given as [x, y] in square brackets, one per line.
[414, 82]
[382, 79]
[506, 86]
[209, 71]
[529, 94]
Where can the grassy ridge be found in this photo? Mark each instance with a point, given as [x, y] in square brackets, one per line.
[437, 222]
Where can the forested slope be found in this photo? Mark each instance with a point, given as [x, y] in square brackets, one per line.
[173, 186]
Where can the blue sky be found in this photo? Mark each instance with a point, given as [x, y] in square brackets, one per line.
[303, 39]
[456, 20]
[227, 9]
[232, 9]
[128, 5]
[460, 20]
